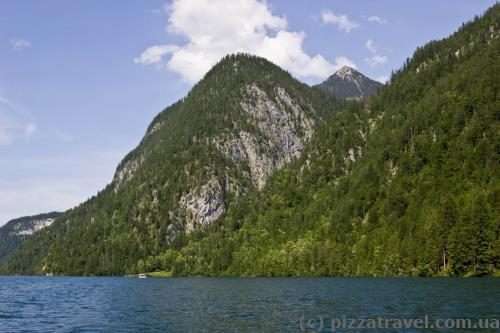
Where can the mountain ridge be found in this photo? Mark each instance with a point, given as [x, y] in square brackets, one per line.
[243, 121]
[404, 184]
[254, 173]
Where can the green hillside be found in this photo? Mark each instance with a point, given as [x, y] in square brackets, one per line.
[244, 120]
[254, 173]
[406, 185]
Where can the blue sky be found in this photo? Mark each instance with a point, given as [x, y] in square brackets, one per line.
[81, 80]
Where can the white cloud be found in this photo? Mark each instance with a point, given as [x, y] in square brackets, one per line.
[382, 78]
[19, 44]
[376, 19]
[370, 45]
[342, 21]
[215, 28]
[343, 61]
[376, 59]
[154, 54]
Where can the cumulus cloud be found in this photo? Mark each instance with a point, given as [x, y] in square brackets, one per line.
[376, 59]
[215, 28]
[341, 21]
[376, 19]
[19, 44]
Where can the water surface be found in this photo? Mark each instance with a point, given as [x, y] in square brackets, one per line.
[81, 304]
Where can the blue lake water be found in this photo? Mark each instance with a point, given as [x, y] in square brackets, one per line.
[81, 304]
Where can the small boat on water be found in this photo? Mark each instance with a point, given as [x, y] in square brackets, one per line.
[142, 276]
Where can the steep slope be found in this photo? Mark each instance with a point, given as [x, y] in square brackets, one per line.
[14, 232]
[349, 83]
[246, 119]
[406, 185]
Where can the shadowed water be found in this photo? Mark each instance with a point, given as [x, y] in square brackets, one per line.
[79, 304]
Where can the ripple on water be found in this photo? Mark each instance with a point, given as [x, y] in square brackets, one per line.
[69, 304]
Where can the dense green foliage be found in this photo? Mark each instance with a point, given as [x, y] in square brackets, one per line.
[405, 184]
[14, 232]
[139, 217]
[409, 185]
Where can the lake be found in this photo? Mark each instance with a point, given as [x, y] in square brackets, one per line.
[105, 304]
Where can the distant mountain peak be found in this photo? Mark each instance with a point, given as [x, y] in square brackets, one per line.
[346, 72]
[348, 83]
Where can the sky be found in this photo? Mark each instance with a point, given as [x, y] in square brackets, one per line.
[81, 80]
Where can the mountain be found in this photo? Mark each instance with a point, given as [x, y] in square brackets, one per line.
[255, 173]
[246, 119]
[14, 232]
[404, 184]
[349, 83]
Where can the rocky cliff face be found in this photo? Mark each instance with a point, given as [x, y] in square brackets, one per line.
[283, 131]
[203, 204]
[274, 132]
[126, 172]
[20, 229]
[270, 130]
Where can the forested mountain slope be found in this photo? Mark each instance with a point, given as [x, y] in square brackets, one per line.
[246, 119]
[406, 185]
[14, 232]
[235, 180]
